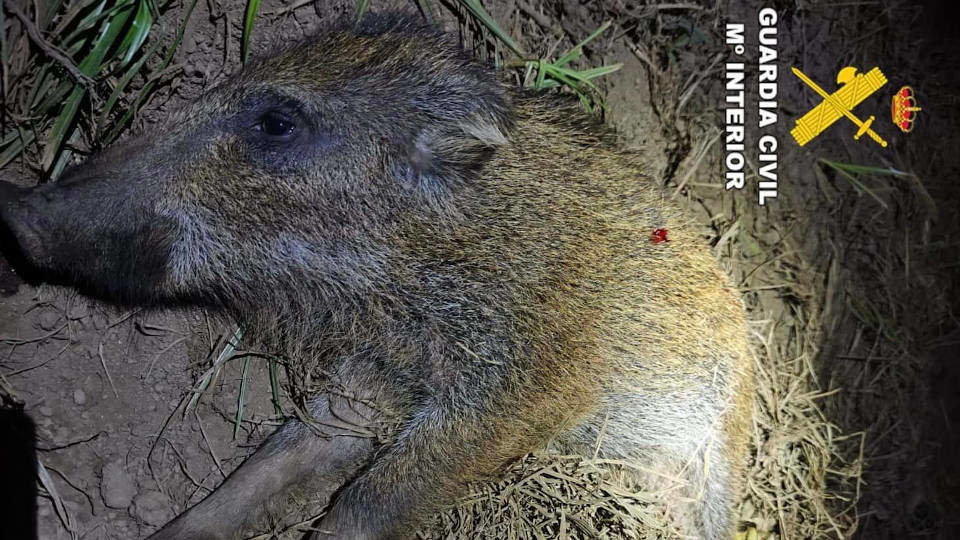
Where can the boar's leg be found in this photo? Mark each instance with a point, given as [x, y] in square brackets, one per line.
[447, 444]
[295, 459]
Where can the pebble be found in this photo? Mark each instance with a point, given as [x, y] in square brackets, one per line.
[48, 319]
[152, 507]
[46, 410]
[79, 397]
[116, 486]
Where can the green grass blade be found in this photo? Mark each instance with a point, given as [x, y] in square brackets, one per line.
[90, 66]
[241, 397]
[89, 22]
[578, 48]
[41, 83]
[11, 136]
[50, 13]
[62, 510]
[275, 385]
[593, 73]
[426, 9]
[55, 98]
[139, 30]
[148, 88]
[557, 74]
[64, 158]
[863, 169]
[17, 146]
[106, 40]
[226, 353]
[360, 11]
[849, 171]
[122, 85]
[61, 125]
[253, 6]
[474, 7]
[541, 74]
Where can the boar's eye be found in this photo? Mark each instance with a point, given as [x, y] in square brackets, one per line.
[277, 132]
[276, 124]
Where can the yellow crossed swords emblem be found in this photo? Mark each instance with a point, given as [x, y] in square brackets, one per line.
[854, 88]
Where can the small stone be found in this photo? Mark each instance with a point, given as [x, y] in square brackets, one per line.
[79, 397]
[116, 486]
[152, 507]
[45, 410]
[48, 319]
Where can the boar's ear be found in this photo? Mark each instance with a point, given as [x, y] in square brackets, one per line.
[446, 156]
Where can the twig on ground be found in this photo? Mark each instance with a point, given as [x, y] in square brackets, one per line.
[49, 49]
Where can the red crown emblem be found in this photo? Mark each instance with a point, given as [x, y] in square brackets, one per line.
[903, 109]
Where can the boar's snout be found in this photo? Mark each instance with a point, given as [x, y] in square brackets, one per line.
[88, 233]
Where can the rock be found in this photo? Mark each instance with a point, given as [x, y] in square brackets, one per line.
[152, 507]
[79, 397]
[116, 486]
[48, 319]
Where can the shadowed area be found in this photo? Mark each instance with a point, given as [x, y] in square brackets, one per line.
[18, 513]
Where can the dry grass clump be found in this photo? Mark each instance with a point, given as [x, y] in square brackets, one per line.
[555, 496]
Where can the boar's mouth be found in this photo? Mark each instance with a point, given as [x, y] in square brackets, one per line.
[113, 252]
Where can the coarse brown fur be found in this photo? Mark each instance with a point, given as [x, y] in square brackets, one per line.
[470, 260]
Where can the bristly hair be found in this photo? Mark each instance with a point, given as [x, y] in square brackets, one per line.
[390, 22]
[372, 24]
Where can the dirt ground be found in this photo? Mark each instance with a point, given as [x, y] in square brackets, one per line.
[851, 291]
